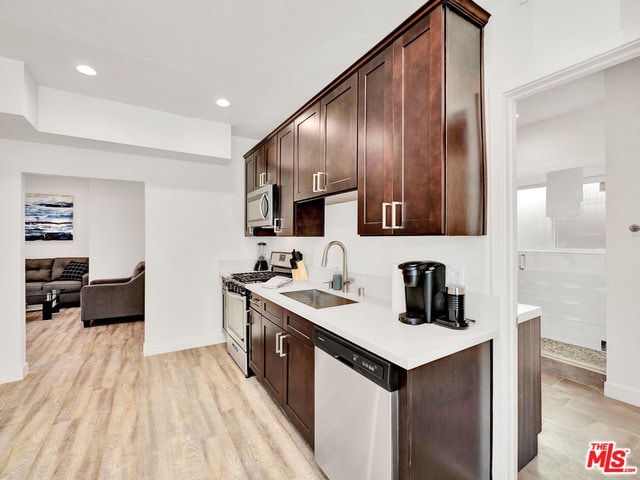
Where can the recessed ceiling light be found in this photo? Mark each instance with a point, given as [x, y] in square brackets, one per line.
[223, 102]
[86, 69]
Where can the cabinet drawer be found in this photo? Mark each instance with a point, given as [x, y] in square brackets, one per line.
[299, 327]
[272, 311]
[255, 302]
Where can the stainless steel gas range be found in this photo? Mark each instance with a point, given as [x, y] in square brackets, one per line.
[235, 306]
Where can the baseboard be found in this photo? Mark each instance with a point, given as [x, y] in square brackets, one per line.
[621, 393]
[14, 375]
[573, 371]
[159, 348]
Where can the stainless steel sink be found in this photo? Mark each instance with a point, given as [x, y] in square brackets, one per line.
[317, 298]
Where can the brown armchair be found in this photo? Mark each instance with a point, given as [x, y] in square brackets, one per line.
[113, 297]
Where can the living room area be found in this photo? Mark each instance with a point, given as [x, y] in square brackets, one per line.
[104, 243]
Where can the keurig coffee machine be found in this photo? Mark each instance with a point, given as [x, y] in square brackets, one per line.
[424, 290]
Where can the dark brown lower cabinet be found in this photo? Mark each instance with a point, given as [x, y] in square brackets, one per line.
[298, 390]
[256, 348]
[283, 347]
[444, 415]
[529, 391]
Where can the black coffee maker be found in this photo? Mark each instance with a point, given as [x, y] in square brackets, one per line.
[424, 290]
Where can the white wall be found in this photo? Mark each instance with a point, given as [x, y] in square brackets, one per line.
[117, 222]
[377, 256]
[571, 290]
[623, 246]
[79, 188]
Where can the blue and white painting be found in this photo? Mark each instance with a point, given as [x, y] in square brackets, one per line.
[48, 217]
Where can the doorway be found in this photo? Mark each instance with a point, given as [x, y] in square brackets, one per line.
[108, 228]
[561, 219]
[593, 176]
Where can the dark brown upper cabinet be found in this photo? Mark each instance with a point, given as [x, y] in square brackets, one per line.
[306, 153]
[326, 157]
[252, 180]
[404, 125]
[285, 224]
[421, 157]
[273, 162]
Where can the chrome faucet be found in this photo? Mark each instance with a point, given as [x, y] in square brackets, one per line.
[345, 276]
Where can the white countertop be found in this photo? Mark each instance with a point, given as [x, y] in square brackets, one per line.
[374, 326]
[528, 312]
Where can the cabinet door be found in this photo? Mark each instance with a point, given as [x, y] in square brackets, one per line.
[375, 142]
[285, 223]
[270, 161]
[298, 395]
[254, 165]
[339, 135]
[418, 165]
[307, 152]
[273, 377]
[256, 352]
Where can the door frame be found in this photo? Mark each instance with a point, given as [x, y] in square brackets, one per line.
[504, 250]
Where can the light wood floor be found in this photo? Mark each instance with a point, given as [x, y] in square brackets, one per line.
[574, 415]
[93, 407]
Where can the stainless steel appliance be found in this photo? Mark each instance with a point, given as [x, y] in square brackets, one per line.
[235, 306]
[260, 207]
[356, 411]
[424, 290]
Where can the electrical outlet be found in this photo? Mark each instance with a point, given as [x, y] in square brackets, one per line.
[456, 275]
[603, 345]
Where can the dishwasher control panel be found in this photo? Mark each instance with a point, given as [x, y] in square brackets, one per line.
[370, 365]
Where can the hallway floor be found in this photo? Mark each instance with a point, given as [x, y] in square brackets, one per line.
[573, 415]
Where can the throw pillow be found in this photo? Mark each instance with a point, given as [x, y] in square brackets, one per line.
[74, 271]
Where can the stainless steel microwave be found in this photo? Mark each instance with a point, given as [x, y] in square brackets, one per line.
[261, 207]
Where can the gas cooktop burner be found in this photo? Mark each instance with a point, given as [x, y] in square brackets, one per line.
[253, 277]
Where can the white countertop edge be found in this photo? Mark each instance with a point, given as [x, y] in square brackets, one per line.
[528, 312]
[372, 325]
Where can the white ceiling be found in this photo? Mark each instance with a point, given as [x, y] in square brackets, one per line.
[267, 57]
[570, 97]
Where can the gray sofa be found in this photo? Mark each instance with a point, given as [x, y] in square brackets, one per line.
[113, 297]
[42, 275]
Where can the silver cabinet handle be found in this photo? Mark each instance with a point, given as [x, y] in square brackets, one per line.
[394, 224]
[282, 352]
[394, 216]
[278, 345]
[322, 188]
[634, 228]
[384, 215]
[522, 261]
[316, 182]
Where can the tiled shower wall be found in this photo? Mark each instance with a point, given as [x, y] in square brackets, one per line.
[571, 289]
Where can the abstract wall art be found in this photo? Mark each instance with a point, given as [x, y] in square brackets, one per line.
[48, 217]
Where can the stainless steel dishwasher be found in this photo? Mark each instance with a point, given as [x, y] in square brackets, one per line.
[356, 411]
